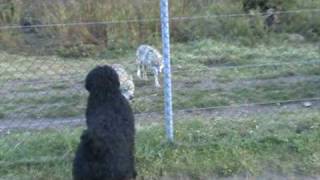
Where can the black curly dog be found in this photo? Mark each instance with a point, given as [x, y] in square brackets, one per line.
[106, 150]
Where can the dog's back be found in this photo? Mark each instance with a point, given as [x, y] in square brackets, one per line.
[95, 161]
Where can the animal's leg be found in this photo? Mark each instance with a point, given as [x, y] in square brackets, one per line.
[145, 72]
[142, 72]
[156, 79]
[139, 70]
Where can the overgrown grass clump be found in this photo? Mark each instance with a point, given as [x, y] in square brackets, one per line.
[286, 143]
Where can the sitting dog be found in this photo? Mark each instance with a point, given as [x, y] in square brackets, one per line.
[148, 57]
[106, 150]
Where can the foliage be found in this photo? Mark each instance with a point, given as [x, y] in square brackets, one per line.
[286, 144]
[124, 35]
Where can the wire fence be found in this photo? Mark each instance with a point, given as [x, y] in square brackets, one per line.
[180, 18]
[44, 94]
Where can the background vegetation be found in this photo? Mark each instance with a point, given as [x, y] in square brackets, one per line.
[88, 40]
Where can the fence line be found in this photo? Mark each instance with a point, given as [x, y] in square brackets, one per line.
[44, 159]
[82, 92]
[44, 124]
[279, 102]
[251, 104]
[79, 89]
[267, 103]
[239, 105]
[305, 62]
[76, 75]
[149, 20]
[244, 14]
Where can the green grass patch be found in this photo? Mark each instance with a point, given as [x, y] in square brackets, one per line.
[54, 105]
[50, 86]
[235, 53]
[46, 105]
[241, 95]
[288, 144]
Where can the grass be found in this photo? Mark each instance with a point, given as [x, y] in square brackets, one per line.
[58, 105]
[51, 86]
[286, 143]
[119, 37]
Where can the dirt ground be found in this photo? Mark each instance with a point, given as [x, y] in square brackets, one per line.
[143, 119]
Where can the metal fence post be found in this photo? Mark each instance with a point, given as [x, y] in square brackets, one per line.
[168, 114]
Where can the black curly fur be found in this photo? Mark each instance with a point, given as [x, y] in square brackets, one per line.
[106, 150]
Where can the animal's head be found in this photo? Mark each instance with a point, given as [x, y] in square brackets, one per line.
[127, 90]
[274, 14]
[102, 79]
[270, 11]
[126, 81]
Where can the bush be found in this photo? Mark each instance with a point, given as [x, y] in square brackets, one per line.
[78, 50]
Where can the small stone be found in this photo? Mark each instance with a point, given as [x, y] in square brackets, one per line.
[179, 67]
[296, 38]
[307, 104]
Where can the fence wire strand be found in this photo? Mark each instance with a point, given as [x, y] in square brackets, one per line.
[149, 20]
[76, 77]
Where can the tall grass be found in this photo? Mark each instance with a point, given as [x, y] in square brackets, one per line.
[285, 143]
[87, 40]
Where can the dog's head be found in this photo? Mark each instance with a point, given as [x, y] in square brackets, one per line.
[102, 79]
[126, 81]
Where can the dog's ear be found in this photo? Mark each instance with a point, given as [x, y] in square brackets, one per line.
[102, 79]
[89, 82]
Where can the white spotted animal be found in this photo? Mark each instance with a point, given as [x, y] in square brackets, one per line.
[126, 82]
[149, 58]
